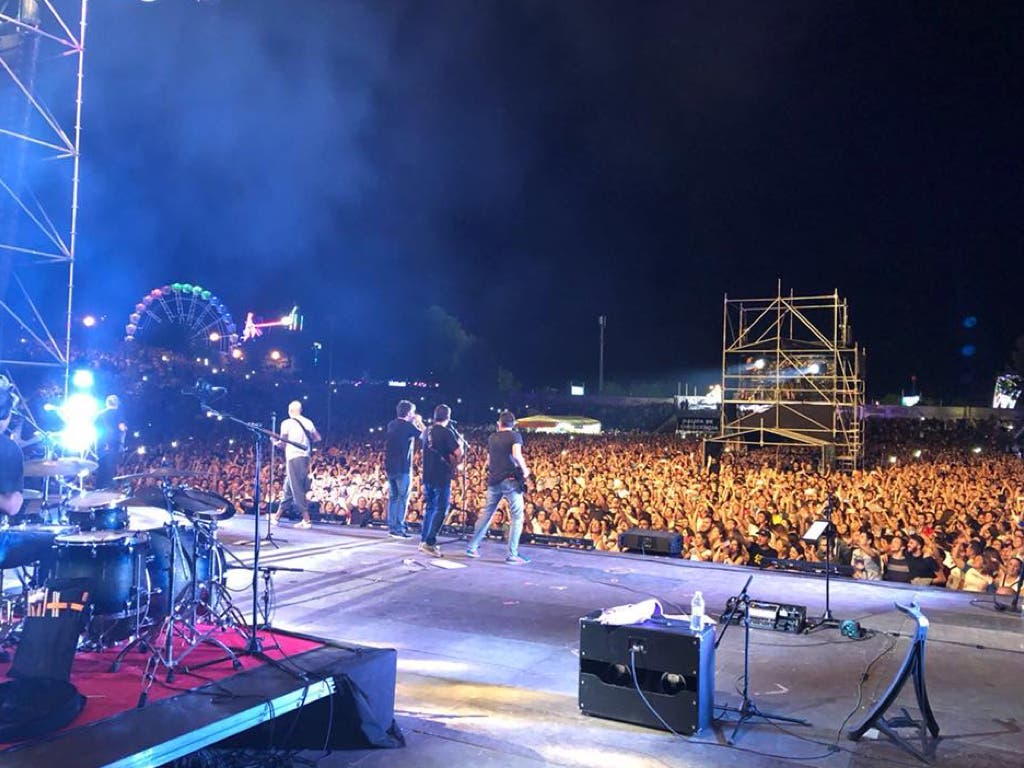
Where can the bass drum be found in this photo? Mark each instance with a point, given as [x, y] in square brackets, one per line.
[199, 553]
[112, 567]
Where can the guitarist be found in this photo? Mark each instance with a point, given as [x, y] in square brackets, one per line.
[441, 455]
[506, 473]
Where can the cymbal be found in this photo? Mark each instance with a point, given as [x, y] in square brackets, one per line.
[162, 472]
[64, 467]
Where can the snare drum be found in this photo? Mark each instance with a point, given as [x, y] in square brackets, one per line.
[113, 563]
[99, 511]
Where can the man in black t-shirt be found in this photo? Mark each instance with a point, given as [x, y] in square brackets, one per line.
[760, 552]
[924, 569]
[441, 454]
[505, 466]
[12, 462]
[398, 442]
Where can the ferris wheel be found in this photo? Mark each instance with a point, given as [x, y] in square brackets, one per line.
[184, 311]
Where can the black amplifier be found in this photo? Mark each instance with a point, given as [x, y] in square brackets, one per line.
[776, 616]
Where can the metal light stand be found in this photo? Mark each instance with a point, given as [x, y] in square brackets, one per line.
[747, 708]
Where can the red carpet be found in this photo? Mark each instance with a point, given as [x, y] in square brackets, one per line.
[109, 693]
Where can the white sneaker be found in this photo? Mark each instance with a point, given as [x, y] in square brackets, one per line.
[304, 524]
[433, 551]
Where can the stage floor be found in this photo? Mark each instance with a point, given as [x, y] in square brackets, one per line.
[488, 659]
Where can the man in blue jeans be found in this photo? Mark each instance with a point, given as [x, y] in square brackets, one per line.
[401, 435]
[441, 453]
[506, 469]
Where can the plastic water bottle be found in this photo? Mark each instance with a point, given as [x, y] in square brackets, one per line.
[697, 612]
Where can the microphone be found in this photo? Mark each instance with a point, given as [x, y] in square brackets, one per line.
[452, 421]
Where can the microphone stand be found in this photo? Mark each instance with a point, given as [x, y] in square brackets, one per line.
[254, 644]
[270, 497]
[827, 620]
[747, 708]
[463, 535]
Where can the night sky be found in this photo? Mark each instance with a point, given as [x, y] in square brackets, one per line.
[528, 166]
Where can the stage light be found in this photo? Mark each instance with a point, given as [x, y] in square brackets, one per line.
[174, 443]
[236, 353]
[759, 364]
[976, 449]
[275, 355]
[83, 379]
[141, 450]
[814, 369]
[917, 454]
[214, 336]
[79, 414]
[88, 321]
[892, 459]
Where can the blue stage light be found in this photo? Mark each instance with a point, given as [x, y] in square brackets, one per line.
[79, 413]
[83, 379]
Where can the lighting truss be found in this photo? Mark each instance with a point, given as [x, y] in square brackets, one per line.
[42, 57]
[791, 375]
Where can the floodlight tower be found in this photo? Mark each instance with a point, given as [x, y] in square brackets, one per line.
[791, 376]
[42, 59]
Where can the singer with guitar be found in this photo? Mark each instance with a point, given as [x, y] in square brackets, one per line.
[300, 434]
[441, 454]
[506, 475]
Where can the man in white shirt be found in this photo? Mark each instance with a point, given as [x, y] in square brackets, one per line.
[299, 430]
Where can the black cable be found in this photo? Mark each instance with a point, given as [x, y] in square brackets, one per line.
[653, 711]
[860, 686]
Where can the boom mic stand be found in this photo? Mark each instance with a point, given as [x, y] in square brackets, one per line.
[254, 645]
[270, 498]
[747, 708]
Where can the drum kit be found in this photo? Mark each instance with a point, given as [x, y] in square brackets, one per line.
[151, 563]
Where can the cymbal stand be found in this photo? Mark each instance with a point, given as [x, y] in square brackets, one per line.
[181, 616]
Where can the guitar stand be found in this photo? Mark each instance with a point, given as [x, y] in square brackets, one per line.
[912, 667]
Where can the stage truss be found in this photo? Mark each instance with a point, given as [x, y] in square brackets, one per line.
[42, 57]
[791, 376]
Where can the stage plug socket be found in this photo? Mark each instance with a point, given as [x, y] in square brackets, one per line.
[637, 647]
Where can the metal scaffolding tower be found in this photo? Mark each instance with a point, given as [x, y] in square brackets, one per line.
[42, 57]
[791, 376]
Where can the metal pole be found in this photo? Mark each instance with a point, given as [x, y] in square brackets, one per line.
[602, 320]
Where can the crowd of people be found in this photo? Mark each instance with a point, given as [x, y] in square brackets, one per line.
[939, 503]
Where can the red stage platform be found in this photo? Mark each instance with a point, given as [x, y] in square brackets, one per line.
[202, 707]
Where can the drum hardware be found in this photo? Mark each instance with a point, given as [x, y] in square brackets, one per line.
[98, 510]
[181, 619]
[113, 565]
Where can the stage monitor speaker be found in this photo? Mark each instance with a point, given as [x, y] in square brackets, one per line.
[651, 542]
[675, 669]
